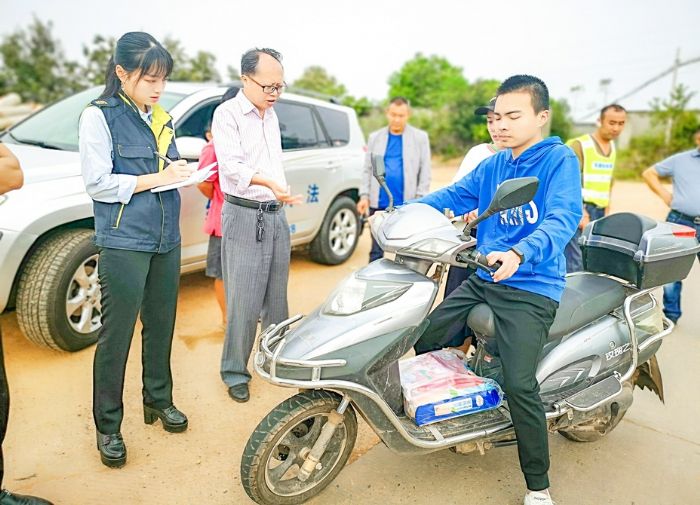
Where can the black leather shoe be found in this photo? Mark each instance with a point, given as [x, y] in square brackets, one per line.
[112, 449]
[173, 420]
[239, 393]
[7, 498]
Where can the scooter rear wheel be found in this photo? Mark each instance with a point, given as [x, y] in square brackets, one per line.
[274, 452]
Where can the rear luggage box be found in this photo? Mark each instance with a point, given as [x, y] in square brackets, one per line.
[636, 248]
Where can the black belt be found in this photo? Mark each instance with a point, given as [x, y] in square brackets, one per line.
[593, 204]
[269, 206]
[686, 217]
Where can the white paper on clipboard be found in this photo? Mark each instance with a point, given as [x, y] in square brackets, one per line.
[196, 177]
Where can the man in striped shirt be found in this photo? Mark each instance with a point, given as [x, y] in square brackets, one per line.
[256, 242]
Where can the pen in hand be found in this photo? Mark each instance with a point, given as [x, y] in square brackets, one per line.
[164, 158]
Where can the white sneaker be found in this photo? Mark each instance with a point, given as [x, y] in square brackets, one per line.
[537, 498]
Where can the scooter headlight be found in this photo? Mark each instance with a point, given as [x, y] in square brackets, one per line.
[430, 248]
[355, 295]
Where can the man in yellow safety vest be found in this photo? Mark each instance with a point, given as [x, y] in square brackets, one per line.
[596, 156]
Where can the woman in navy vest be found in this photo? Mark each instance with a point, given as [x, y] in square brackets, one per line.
[125, 136]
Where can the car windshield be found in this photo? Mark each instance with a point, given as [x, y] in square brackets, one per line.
[56, 126]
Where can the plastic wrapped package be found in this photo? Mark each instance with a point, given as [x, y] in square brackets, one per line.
[438, 386]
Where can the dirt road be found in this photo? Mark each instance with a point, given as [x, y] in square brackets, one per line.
[50, 447]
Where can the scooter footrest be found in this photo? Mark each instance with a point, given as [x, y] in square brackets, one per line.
[596, 395]
[457, 425]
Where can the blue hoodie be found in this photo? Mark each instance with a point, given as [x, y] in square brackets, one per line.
[541, 229]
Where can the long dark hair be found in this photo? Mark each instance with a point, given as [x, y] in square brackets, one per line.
[136, 52]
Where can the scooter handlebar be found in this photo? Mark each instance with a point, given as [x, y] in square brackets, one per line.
[481, 261]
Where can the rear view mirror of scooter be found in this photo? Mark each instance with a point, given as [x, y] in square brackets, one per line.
[379, 171]
[512, 193]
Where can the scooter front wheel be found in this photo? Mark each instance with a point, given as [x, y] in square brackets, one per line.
[277, 449]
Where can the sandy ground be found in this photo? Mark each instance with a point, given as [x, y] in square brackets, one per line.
[652, 458]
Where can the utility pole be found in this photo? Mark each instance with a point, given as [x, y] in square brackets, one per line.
[604, 85]
[674, 80]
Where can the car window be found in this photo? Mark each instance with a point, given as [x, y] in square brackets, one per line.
[299, 126]
[337, 125]
[57, 124]
[196, 122]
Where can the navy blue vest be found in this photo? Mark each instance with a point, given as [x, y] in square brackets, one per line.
[150, 222]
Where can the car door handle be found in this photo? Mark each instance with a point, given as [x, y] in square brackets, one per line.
[333, 165]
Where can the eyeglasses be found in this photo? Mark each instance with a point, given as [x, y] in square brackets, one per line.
[270, 89]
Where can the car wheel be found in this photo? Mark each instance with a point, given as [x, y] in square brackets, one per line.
[58, 298]
[337, 238]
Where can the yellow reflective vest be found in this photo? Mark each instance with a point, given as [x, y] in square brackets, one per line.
[597, 171]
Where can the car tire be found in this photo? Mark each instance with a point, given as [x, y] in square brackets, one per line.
[339, 233]
[60, 276]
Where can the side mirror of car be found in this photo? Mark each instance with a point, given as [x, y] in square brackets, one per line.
[511, 193]
[190, 147]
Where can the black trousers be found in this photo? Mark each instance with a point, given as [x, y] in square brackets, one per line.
[522, 320]
[4, 408]
[455, 277]
[133, 282]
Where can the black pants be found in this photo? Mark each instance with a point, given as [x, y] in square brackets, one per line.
[455, 277]
[4, 408]
[522, 321]
[134, 281]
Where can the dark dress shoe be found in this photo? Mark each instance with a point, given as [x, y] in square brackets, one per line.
[239, 393]
[112, 449]
[7, 498]
[173, 420]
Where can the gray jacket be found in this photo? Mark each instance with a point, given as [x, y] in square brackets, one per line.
[416, 164]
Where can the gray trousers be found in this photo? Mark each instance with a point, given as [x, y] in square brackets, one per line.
[255, 280]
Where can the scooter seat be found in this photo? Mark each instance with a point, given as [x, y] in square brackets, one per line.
[586, 297]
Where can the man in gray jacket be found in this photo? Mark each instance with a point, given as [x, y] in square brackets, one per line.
[406, 152]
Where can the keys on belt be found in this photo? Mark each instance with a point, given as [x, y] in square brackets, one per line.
[269, 206]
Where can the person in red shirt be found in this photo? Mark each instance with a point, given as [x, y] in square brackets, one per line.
[212, 224]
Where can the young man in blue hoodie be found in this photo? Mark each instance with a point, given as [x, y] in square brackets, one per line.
[529, 241]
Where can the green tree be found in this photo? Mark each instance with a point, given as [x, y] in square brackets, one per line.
[428, 81]
[233, 73]
[316, 78]
[363, 106]
[469, 128]
[653, 146]
[97, 57]
[201, 68]
[561, 123]
[33, 65]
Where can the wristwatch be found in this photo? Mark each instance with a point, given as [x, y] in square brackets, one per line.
[518, 254]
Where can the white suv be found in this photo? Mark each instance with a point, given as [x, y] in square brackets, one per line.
[48, 262]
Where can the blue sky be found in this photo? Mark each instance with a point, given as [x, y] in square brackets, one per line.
[362, 42]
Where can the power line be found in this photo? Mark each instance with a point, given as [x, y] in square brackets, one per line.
[673, 68]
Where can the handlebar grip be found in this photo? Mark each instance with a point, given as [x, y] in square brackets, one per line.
[482, 261]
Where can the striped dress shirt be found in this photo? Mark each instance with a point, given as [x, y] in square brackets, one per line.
[247, 145]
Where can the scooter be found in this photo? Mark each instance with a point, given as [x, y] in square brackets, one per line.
[344, 356]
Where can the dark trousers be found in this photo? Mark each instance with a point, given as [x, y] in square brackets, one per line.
[455, 277]
[376, 252]
[572, 251]
[133, 282]
[4, 408]
[522, 321]
[672, 291]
